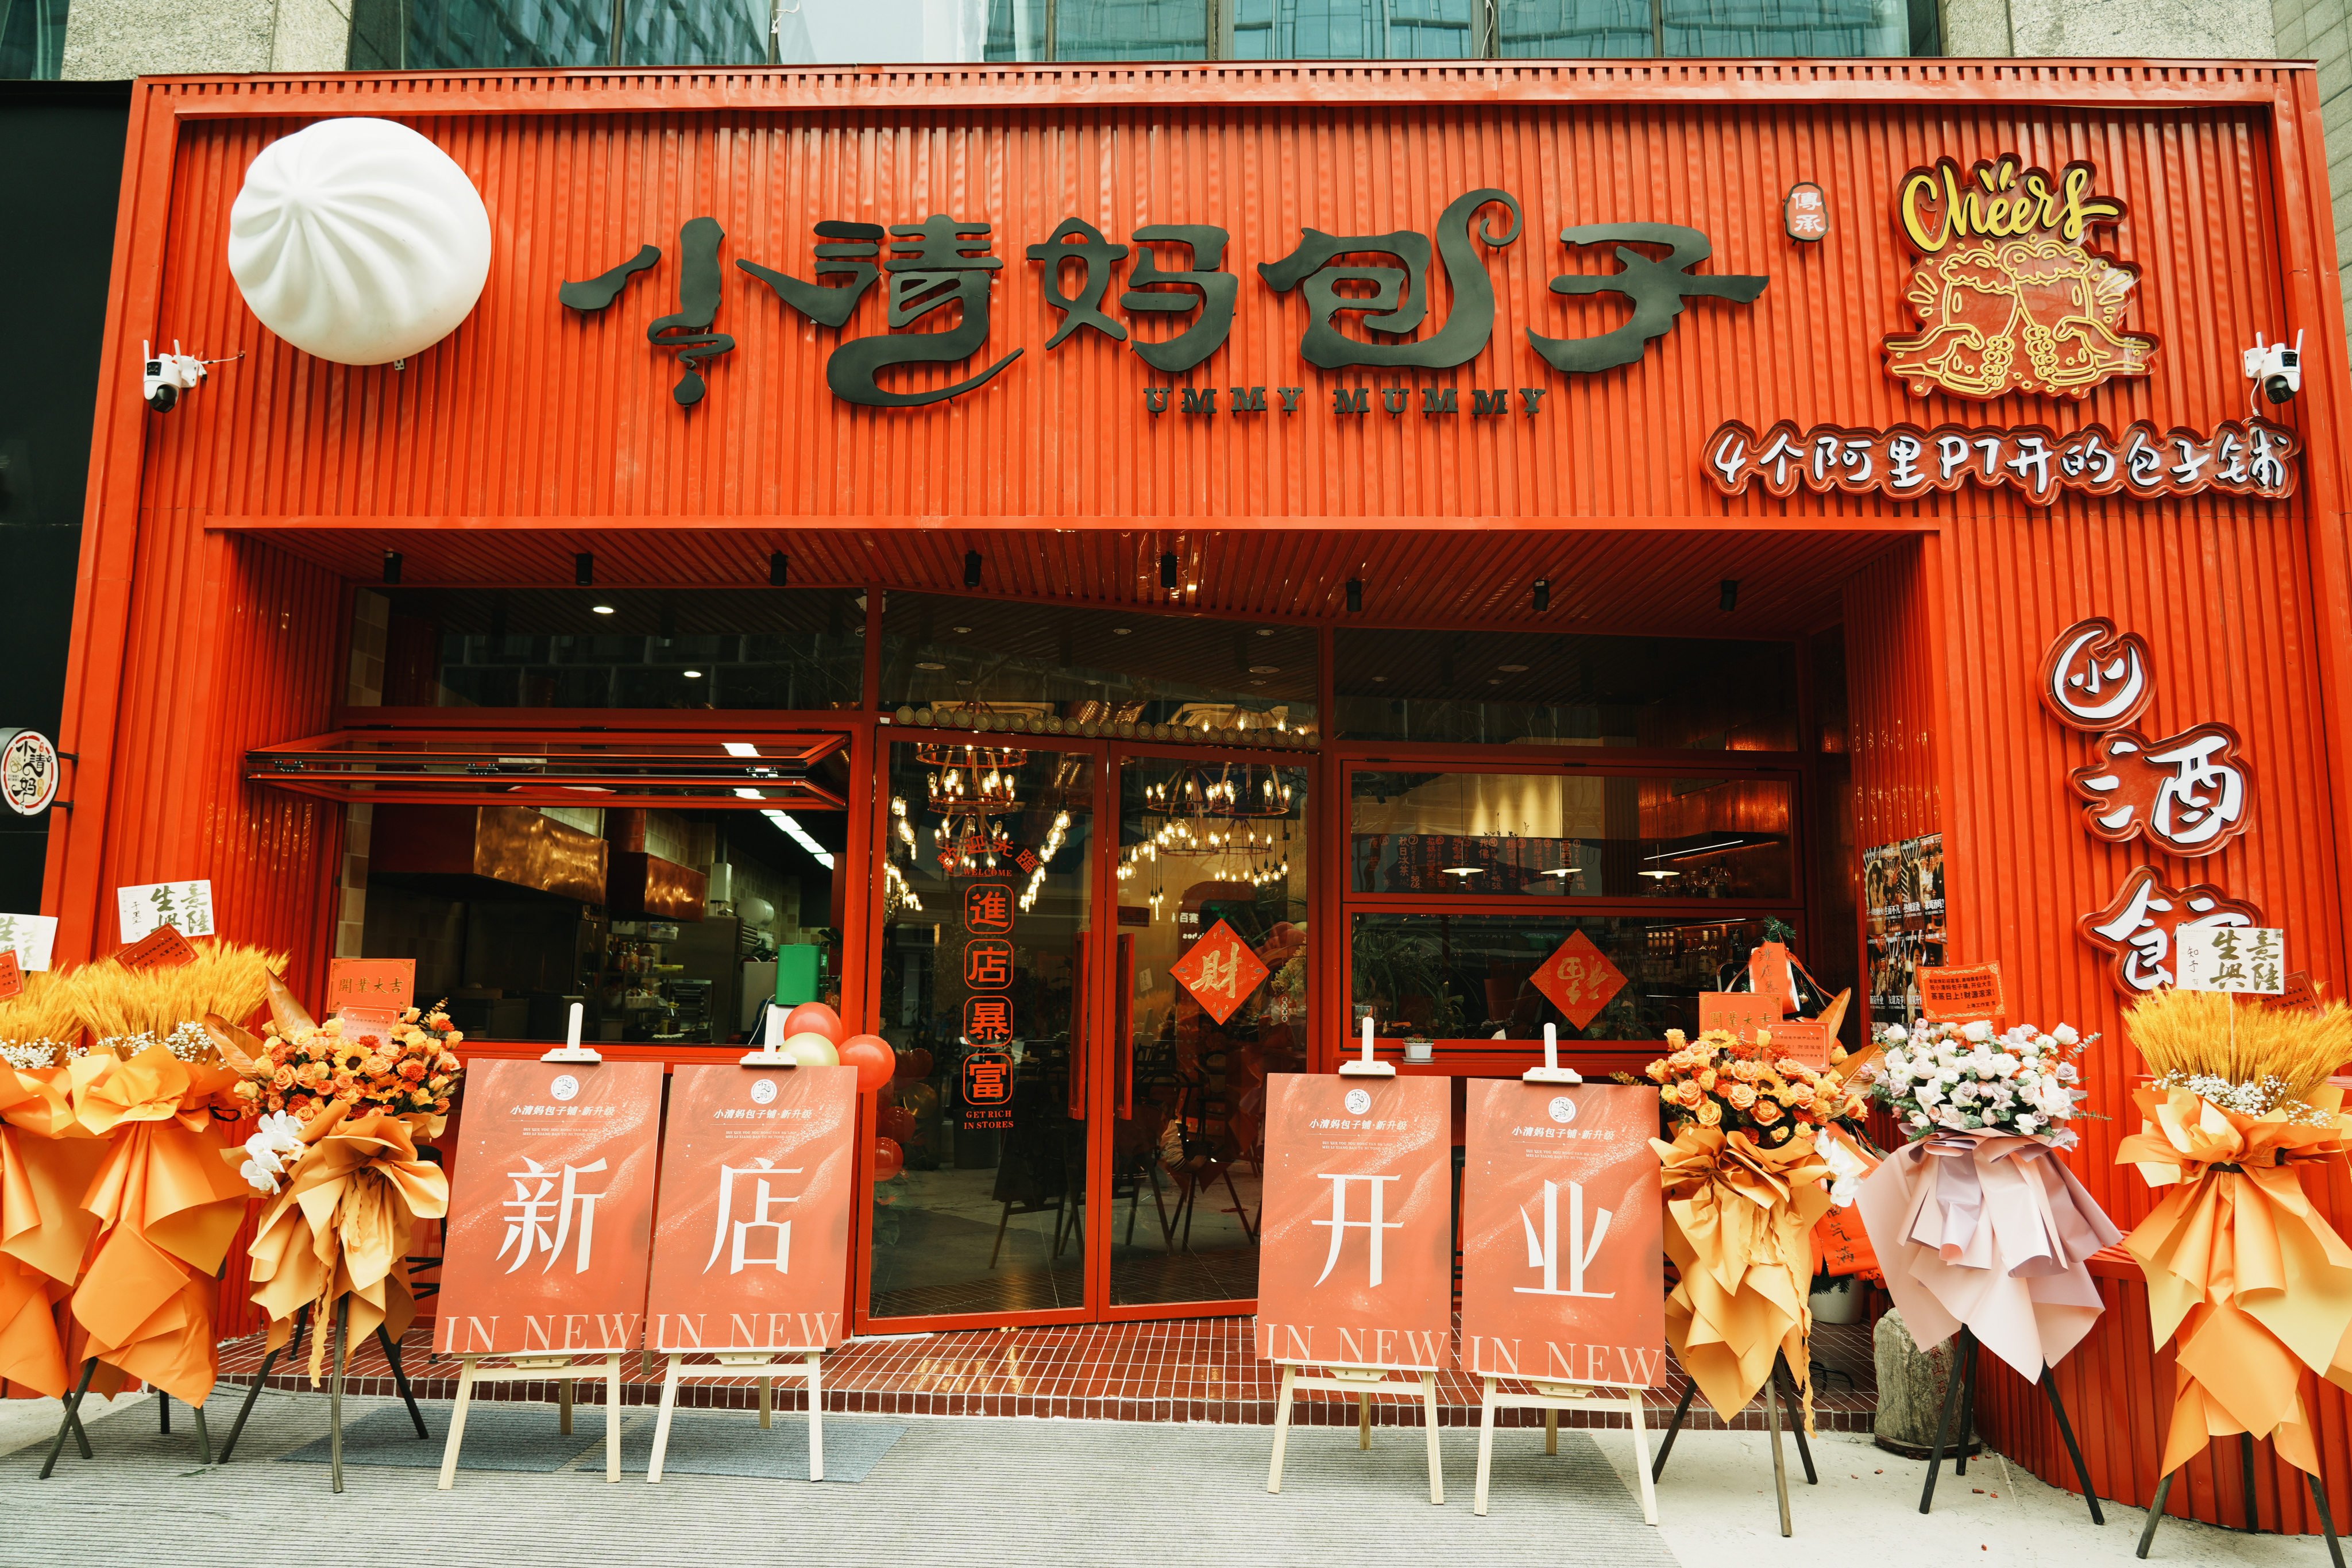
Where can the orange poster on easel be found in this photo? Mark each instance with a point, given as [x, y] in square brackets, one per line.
[1356, 1250]
[751, 1245]
[1563, 1273]
[550, 1217]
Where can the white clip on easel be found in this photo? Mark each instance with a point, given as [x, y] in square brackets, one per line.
[561, 1367]
[762, 1364]
[1551, 1071]
[1366, 1065]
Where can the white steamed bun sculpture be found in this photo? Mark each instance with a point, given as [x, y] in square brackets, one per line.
[359, 241]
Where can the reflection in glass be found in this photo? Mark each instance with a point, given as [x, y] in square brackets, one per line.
[1496, 687]
[791, 649]
[986, 907]
[32, 40]
[1769, 28]
[1202, 846]
[458, 35]
[1353, 30]
[1574, 29]
[1128, 29]
[1570, 834]
[1471, 977]
[887, 32]
[1107, 665]
[695, 33]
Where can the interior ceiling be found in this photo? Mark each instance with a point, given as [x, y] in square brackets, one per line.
[1628, 580]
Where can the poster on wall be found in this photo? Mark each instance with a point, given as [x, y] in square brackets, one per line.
[550, 1217]
[1903, 914]
[1356, 1261]
[751, 1240]
[1563, 1270]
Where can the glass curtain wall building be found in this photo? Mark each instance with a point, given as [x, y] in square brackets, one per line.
[428, 35]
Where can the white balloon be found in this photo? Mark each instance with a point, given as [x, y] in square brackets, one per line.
[359, 241]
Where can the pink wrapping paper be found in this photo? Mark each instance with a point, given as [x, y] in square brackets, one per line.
[1993, 1232]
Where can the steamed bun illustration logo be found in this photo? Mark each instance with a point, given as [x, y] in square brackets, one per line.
[359, 241]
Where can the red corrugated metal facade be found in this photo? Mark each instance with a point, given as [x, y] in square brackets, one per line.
[224, 537]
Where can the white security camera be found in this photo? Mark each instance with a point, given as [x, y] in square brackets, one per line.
[2277, 368]
[168, 375]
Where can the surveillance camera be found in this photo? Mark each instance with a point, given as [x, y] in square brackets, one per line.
[2276, 367]
[162, 377]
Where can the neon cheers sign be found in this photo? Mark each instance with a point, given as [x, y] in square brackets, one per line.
[1998, 200]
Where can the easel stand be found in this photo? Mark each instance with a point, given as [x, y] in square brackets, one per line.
[71, 1423]
[1964, 1372]
[339, 1361]
[1551, 1398]
[1772, 1386]
[1363, 1382]
[731, 1364]
[2254, 1511]
[564, 1369]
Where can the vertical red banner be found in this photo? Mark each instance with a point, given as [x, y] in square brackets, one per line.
[751, 1243]
[1563, 1275]
[551, 1215]
[1356, 1260]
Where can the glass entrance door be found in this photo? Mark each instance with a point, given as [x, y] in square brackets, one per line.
[982, 1157]
[1209, 966]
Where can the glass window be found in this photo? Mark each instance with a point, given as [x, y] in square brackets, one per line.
[454, 35]
[1574, 29]
[1495, 688]
[788, 648]
[983, 993]
[695, 33]
[1769, 28]
[1354, 30]
[1128, 29]
[1470, 978]
[32, 40]
[1570, 834]
[1111, 664]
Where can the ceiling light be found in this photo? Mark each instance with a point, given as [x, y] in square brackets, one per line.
[961, 631]
[1657, 876]
[1512, 668]
[1122, 631]
[1265, 631]
[1378, 678]
[1266, 670]
[741, 749]
[1257, 683]
[928, 664]
[1460, 870]
[749, 795]
[1560, 871]
[600, 609]
[691, 673]
[799, 834]
[1494, 680]
[1702, 849]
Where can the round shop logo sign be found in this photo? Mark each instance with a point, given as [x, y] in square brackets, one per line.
[763, 1090]
[1563, 1109]
[1358, 1102]
[28, 771]
[565, 1087]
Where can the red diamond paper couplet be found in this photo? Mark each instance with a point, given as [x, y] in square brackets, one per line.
[1578, 979]
[1221, 971]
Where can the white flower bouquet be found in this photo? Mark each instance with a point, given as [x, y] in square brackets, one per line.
[1962, 1077]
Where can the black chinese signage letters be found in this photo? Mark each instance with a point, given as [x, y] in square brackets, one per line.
[1364, 294]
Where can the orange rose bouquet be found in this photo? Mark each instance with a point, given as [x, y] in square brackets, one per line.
[1720, 1081]
[409, 1070]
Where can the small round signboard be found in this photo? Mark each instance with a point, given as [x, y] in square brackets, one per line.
[28, 771]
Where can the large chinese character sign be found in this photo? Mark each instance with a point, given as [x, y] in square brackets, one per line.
[751, 1245]
[1356, 1260]
[1563, 1277]
[1219, 972]
[1578, 980]
[550, 1217]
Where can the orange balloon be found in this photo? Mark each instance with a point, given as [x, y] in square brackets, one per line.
[895, 1121]
[888, 1159]
[815, 1019]
[915, 1064]
[872, 1057]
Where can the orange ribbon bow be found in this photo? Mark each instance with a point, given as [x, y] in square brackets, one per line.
[340, 1229]
[1738, 1214]
[164, 1210]
[2242, 1267]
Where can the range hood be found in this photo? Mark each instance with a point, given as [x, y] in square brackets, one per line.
[512, 845]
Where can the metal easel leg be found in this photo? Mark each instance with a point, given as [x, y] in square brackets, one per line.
[1486, 1447]
[2074, 1449]
[1779, 1463]
[245, 1407]
[342, 1353]
[204, 1434]
[1666, 1444]
[1943, 1426]
[2155, 1513]
[73, 1421]
[1968, 1403]
[163, 1413]
[399, 1378]
[1281, 1428]
[2326, 1519]
[2246, 1472]
[1796, 1419]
